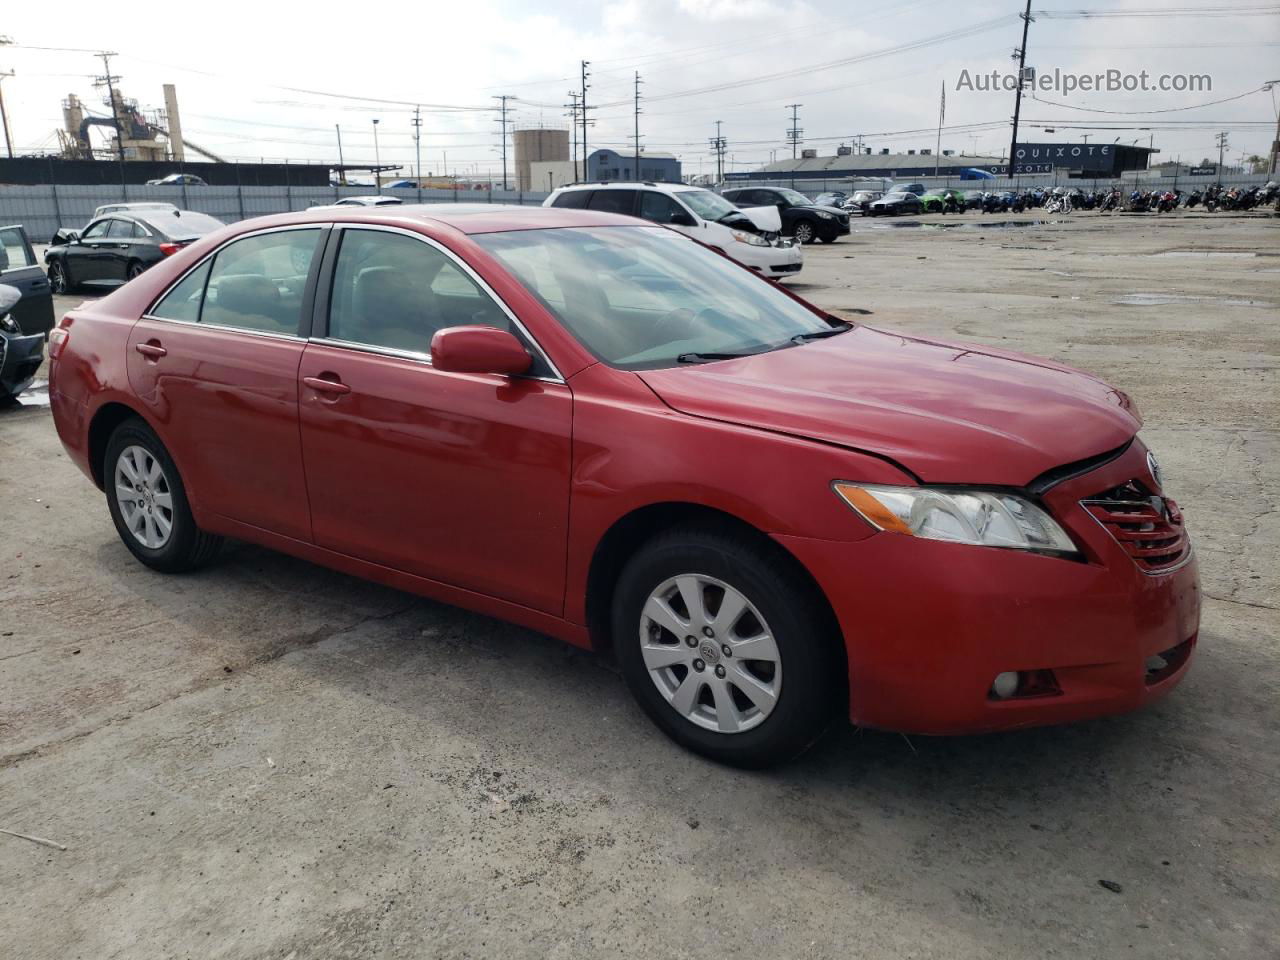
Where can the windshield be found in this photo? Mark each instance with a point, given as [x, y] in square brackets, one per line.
[643, 297]
[707, 205]
[796, 198]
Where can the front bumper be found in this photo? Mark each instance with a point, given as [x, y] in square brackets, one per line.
[928, 625]
[782, 258]
[20, 358]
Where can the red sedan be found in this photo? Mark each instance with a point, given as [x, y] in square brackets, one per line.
[602, 430]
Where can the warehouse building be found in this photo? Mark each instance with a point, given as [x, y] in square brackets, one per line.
[1100, 160]
[612, 165]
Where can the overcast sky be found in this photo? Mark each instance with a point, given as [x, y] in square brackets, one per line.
[242, 68]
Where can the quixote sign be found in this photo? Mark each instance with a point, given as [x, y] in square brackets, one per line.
[1071, 156]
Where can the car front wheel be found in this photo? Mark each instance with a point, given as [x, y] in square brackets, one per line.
[803, 232]
[148, 502]
[726, 647]
[59, 279]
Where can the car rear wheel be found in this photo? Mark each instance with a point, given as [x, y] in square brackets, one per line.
[803, 232]
[59, 279]
[148, 502]
[135, 269]
[726, 647]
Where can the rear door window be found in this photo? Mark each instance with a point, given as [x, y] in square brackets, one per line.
[257, 283]
[120, 230]
[573, 199]
[613, 201]
[182, 302]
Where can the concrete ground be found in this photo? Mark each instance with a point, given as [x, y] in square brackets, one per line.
[268, 759]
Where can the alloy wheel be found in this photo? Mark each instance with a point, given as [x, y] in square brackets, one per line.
[803, 233]
[710, 653]
[57, 278]
[135, 271]
[145, 499]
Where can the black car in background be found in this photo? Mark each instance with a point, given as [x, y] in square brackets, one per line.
[802, 219]
[26, 312]
[116, 248]
[33, 313]
[834, 198]
[892, 204]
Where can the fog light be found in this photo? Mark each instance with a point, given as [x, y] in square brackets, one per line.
[1005, 685]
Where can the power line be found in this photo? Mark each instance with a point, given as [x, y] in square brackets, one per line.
[1197, 106]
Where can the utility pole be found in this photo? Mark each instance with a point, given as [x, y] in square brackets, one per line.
[942, 114]
[342, 164]
[1275, 144]
[109, 79]
[582, 108]
[795, 136]
[718, 147]
[4, 117]
[1222, 146]
[417, 146]
[573, 127]
[794, 133]
[1017, 100]
[377, 157]
[637, 119]
[503, 120]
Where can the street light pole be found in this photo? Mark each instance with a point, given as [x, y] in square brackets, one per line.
[377, 156]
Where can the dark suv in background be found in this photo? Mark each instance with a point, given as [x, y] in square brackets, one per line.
[802, 219]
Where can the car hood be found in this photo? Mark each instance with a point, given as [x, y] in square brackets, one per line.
[766, 219]
[949, 413]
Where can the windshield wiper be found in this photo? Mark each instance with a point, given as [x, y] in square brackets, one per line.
[710, 357]
[821, 334]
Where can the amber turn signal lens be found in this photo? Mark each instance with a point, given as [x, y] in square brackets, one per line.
[872, 510]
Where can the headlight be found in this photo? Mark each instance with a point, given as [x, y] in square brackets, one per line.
[750, 238]
[9, 325]
[984, 518]
[826, 216]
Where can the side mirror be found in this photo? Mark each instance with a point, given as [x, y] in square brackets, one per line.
[479, 350]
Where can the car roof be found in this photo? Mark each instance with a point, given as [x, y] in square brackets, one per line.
[630, 185]
[469, 218]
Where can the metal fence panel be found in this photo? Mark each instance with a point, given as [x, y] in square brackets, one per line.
[43, 209]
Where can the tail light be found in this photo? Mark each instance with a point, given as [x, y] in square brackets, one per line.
[169, 249]
[58, 338]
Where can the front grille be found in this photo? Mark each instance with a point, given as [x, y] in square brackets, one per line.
[1149, 527]
[785, 267]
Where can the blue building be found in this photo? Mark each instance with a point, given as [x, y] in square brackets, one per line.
[612, 165]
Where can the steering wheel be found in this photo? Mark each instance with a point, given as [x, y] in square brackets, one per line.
[681, 320]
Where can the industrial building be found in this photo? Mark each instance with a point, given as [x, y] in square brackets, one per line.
[654, 166]
[538, 146]
[1096, 160]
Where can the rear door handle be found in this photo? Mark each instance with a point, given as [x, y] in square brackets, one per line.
[320, 385]
[151, 350]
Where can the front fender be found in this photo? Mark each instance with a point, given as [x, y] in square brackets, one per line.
[632, 451]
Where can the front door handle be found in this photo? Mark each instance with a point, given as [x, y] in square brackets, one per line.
[320, 385]
[152, 351]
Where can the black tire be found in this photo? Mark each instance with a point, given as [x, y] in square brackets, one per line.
[803, 232]
[812, 681]
[188, 547]
[134, 270]
[831, 238]
[60, 278]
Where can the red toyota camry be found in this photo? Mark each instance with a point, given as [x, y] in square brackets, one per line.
[605, 431]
